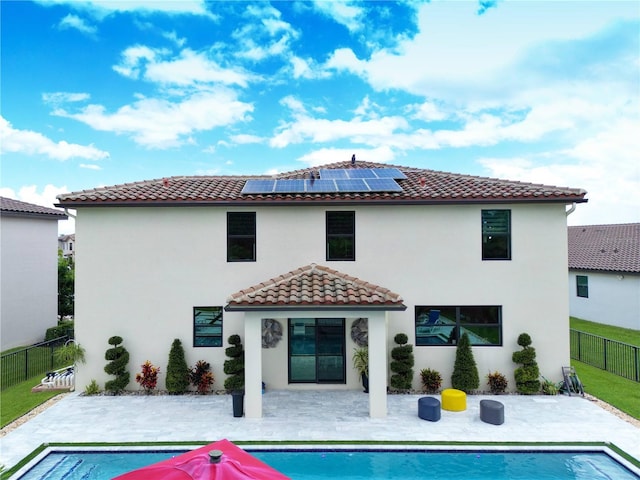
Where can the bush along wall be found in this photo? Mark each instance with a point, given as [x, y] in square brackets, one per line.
[402, 363]
[465, 371]
[234, 367]
[528, 375]
[118, 357]
[177, 371]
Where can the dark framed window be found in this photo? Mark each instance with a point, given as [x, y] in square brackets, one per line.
[496, 234]
[582, 286]
[341, 236]
[241, 237]
[207, 326]
[444, 325]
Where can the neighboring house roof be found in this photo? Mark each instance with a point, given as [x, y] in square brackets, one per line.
[612, 248]
[16, 208]
[314, 286]
[422, 186]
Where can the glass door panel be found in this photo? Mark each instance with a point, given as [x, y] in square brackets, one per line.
[316, 350]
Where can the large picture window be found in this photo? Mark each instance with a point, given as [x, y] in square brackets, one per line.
[207, 326]
[496, 234]
[341, 236]
[241, 237]
[444, 325]
[582, 286]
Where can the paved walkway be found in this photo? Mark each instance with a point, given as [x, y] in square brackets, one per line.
[312, 415]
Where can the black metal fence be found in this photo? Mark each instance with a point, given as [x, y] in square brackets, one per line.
[615, 357]
[21, 365]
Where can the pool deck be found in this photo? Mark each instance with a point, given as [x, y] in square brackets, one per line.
[312, 416]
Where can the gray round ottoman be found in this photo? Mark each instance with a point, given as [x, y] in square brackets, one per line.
[429, 408]
[492, 411]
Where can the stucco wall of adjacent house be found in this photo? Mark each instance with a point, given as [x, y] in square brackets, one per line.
[29, 279]
[143, 283]
[614, 298]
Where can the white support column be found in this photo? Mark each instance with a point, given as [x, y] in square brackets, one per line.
[377, 364]
[252, 365]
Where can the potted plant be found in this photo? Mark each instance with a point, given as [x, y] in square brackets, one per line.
[234, 368]
[361, 364]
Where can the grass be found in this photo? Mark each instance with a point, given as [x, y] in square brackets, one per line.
[19, 400]
[619, 334]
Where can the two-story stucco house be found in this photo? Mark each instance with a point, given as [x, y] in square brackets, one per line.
[299, 264]
[604, 274]
[29, 266]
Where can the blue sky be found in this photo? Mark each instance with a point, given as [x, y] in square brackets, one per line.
[99, 93]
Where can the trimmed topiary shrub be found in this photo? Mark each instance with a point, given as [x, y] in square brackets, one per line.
[234, 367]
[63, 329]
[402, 363]
[528, 375]
[465, 371]
[118, 359]
[177, 371]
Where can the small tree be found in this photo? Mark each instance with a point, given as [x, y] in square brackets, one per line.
[528, 375]
[66, 275]
[402, 364]
[201, 376]
[465, 371]
[118, 359]
[177, 370]
[234, 367]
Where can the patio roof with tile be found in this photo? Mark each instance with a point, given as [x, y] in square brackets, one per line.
[311, 287]
[16, 208]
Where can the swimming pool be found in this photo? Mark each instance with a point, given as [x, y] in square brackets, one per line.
[352, 464]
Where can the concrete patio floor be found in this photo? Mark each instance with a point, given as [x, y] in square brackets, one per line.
[315, 416]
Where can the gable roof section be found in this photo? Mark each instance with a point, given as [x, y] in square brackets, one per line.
[16, 208]
[610, 248]
[314, 286]
[422, 186]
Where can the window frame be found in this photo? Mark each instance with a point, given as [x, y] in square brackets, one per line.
[196, 336]
[347, 236]
[231, 237]
[458, 325]
[582, 286]
[486, 235]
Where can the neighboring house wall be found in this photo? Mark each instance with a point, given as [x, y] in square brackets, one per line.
[613, 298]
[29, 292]
[66, 243]
[143, 284]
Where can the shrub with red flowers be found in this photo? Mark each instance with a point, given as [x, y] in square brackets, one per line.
[201, 377]
[148, 378]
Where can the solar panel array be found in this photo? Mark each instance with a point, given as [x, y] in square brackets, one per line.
[332, 181]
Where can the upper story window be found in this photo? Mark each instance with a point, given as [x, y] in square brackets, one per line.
[341, 236]
[582, 286]
[444, 325]
[241, 237]
[496, 234]
[207, 326]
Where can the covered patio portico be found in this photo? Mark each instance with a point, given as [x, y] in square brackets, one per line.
[315, 292]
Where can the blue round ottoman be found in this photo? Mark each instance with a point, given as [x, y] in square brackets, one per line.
[429, 408]
[492, 412]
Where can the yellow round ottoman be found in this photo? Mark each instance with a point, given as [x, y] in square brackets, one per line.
[454, 400]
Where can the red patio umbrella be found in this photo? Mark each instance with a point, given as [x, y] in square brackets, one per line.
[221, 460]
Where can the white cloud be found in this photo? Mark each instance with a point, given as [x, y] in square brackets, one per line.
[345, 13]
[29, 142]
[46, 198]
[74, 22]
[102, 8]
[324, 156]
[132, 58]
[173, 122]
[64, 97]
[90, 166]
[246, 139]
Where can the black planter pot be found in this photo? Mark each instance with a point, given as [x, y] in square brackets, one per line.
[238, 403]
[365, 382]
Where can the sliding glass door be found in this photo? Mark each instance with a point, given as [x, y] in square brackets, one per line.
[316, 350]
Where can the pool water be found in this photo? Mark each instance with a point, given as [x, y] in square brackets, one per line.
[359, 465]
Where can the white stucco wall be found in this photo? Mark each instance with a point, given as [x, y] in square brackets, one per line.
[29, 279]
[143, 282]
[614, 298]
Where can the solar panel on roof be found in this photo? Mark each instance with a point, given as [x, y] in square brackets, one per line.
[289, 186]
[320, 186]
[352, 185]
[360, 173]
[383, 185]
[388, 173]
[336, 173]
[258, 186]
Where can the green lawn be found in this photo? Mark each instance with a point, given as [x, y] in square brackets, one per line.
[624, 335]
[18, 400]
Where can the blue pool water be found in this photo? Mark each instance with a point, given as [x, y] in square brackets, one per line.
[359, 465]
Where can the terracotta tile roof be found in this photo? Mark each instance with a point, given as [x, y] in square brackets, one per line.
[314, 286]
[421, 186]
[612, 248]
[9, 206]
